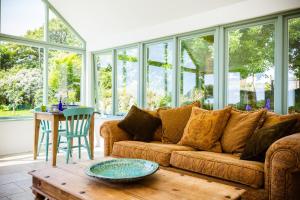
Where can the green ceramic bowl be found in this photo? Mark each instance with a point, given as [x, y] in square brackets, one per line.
[122, 170]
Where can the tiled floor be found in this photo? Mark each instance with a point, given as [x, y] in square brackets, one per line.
[14, 179]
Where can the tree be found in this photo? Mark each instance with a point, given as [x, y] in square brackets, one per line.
[294, 46]
[105, 87]
[58, 33]
[12, 54]
[64, 76]
[21, 87]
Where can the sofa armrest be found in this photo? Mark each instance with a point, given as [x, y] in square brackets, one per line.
[282, 168]
[111, 133]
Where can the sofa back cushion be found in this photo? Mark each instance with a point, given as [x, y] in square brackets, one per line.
[241, 125]
[174, 121]
[204, 129]
[274, 118]
[157, 134]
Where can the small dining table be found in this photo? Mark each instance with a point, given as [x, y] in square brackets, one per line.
[55, 118]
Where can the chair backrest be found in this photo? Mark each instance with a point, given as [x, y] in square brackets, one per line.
[78, 121]
[45, 125]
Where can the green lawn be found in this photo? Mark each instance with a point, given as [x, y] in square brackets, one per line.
[17, 113]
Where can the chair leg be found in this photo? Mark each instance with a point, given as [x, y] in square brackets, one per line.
[58, 143]
[68, 150]
[88, 147]
[71, 151]
[79, 147]
[41, 141]
[47, 145]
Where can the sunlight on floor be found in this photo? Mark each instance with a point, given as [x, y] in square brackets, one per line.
[15, 182]
[27, 158]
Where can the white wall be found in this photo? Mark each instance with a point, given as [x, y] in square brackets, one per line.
[17, 136]
[243, 10]
[105, 24]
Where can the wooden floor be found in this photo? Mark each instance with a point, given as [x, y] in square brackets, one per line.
[14, 179]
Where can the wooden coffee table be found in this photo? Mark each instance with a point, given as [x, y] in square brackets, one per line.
[70, 182]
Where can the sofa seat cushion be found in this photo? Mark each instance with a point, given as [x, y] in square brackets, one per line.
[221, 165]
[154, 151]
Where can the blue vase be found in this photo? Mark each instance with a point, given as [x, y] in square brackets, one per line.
[60, 106]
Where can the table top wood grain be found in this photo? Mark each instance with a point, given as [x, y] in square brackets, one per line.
[71, 182]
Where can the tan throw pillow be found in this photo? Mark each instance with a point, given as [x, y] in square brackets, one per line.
[204, 129]
[174, 121]
[274, 118]
[240, 127]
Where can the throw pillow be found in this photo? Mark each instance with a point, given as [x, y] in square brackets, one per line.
[241, 125]
[140, 124]
[158, 133]
[262, 139]
[204, 129]
[274, 118]
[174, 121]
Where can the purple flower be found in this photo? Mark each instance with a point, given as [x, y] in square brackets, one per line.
[268, 104]
[248, 107]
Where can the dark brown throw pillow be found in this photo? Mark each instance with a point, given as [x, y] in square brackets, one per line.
[261, 140]
[296, 128]
[140, 124]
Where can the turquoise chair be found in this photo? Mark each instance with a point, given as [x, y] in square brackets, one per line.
[78, 121]
[45, 130]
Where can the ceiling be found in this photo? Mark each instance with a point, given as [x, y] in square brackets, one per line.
[102, 23]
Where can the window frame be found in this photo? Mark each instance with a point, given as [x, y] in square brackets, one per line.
[46, 45]
[115, 80]
[146, 46]
[279, 20]
[215, 59]
[277, 66]
[97, 97]
[285, 60]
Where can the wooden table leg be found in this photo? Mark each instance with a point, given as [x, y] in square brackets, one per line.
[36, 136]
[54, 124]
[91, 137]
[39, 196]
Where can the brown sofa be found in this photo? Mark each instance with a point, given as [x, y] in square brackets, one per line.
[277, 178]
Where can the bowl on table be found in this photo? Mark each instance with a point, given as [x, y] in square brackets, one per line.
[122, 170]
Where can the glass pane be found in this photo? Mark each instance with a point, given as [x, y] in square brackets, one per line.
[23, 18]
[20, 79]
[197, 70]
[294, 65]
[60, 33]
[159, 75]
[251, 67]
[64, 77]
[127, 79]
[103, 62]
